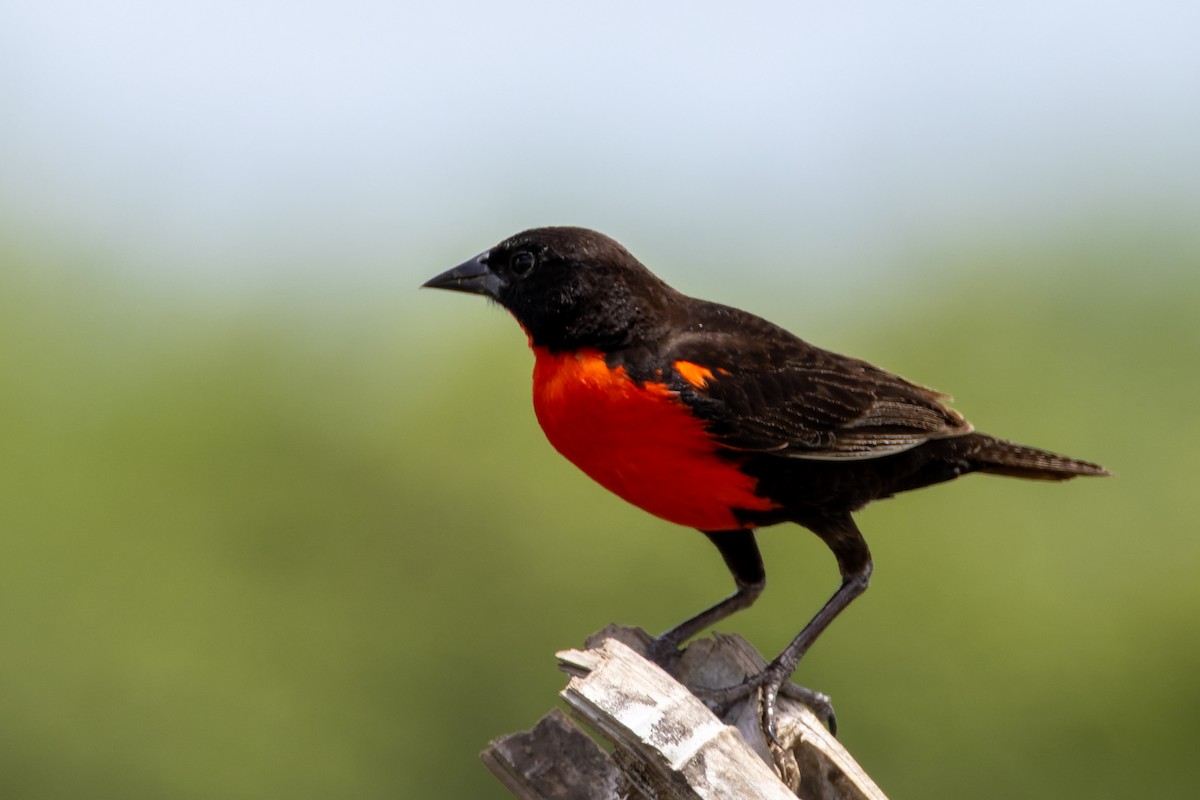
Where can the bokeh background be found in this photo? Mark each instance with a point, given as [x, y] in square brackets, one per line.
[273, 523]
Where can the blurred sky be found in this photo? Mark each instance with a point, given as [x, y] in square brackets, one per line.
[234, 143]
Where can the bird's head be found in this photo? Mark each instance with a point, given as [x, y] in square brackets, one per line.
[568, 287]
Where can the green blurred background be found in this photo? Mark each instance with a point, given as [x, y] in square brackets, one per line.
[273, 523]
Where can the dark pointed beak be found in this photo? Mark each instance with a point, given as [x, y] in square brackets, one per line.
[473, 277]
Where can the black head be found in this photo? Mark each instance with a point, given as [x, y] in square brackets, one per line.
[568, 287]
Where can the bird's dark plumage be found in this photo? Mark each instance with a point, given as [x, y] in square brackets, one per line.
[712, 417]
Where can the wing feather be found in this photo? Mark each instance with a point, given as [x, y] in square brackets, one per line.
[771, 392]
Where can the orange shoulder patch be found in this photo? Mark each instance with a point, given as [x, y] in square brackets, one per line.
[694, 374]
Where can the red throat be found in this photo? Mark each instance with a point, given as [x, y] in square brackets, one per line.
[638, 441]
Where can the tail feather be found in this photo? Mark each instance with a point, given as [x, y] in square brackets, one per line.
[998, 457]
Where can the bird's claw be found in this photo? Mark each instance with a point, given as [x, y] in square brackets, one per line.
[664, 651]
[770, 688]
[771, 683]
[816, 702]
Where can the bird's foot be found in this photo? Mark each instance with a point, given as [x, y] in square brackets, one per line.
[771, 684]
[664, 651]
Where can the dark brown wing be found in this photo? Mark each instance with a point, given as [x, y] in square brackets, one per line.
[762, 389]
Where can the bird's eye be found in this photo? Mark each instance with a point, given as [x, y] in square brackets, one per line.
[522, 263]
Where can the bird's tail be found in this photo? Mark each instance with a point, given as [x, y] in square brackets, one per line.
[998, 457]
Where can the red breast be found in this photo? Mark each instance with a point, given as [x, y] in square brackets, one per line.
[639, 441]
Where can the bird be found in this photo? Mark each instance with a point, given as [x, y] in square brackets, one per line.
[711, 417]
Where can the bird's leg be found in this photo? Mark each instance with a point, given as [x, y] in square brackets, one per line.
[740, 551]
[854, 561]
[775, 677]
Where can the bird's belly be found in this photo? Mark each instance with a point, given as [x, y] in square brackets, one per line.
[639, 441]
